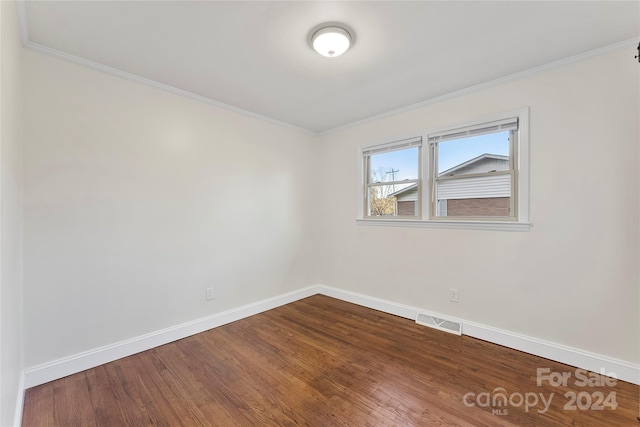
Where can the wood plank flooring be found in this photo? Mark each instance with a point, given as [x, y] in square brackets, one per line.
[325, 362]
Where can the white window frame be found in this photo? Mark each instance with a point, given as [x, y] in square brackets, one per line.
[508, 124]
[426, 217]
[365, 164]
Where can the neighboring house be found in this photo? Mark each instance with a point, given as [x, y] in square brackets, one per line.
[474, 196]
[406, 201]
[482, 164]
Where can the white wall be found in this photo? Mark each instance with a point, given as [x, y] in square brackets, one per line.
[573, 279]
[10, 215]
[136, 200]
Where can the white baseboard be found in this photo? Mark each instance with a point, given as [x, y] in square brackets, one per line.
[76, 363]
[568, 355]
[17, 414]
[79, 362]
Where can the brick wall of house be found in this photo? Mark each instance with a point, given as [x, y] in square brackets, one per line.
[406, 208]
[496, 206]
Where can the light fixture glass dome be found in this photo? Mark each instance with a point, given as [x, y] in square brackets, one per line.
[331, 41]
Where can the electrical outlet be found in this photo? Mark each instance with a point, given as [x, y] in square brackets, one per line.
[209, 294]
[454, 295]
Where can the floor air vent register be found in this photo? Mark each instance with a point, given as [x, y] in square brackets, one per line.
[440, 324]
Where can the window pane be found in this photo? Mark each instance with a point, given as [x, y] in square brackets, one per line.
[394, 166]
[393, 200]
[477, 154]
[475, 196]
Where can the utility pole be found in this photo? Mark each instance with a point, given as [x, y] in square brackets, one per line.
[393, 173]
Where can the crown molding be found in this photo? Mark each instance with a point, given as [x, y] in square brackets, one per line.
[27, 43]
[167, 88]
[23, 29]
[489, 84]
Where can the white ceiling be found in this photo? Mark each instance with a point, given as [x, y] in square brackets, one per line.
[255, 56]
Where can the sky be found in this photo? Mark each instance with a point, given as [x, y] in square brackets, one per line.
[454, 152]
[403, 161]
[450, 153]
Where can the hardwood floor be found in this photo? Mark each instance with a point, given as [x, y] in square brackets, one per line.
[325, 362]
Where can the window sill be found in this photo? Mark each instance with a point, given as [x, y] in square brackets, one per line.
[468, 225]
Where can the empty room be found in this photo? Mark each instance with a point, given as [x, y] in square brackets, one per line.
[322, 213]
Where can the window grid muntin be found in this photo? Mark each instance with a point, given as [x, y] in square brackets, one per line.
[435, 179]
[405, 144]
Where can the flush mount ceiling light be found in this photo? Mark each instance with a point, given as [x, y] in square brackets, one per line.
[331, 41]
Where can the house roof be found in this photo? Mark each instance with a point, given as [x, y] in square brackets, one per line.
[472, 161]
[453, 169]
[404, 190]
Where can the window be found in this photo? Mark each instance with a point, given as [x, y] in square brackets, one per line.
[392, 179]
[472, 175]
